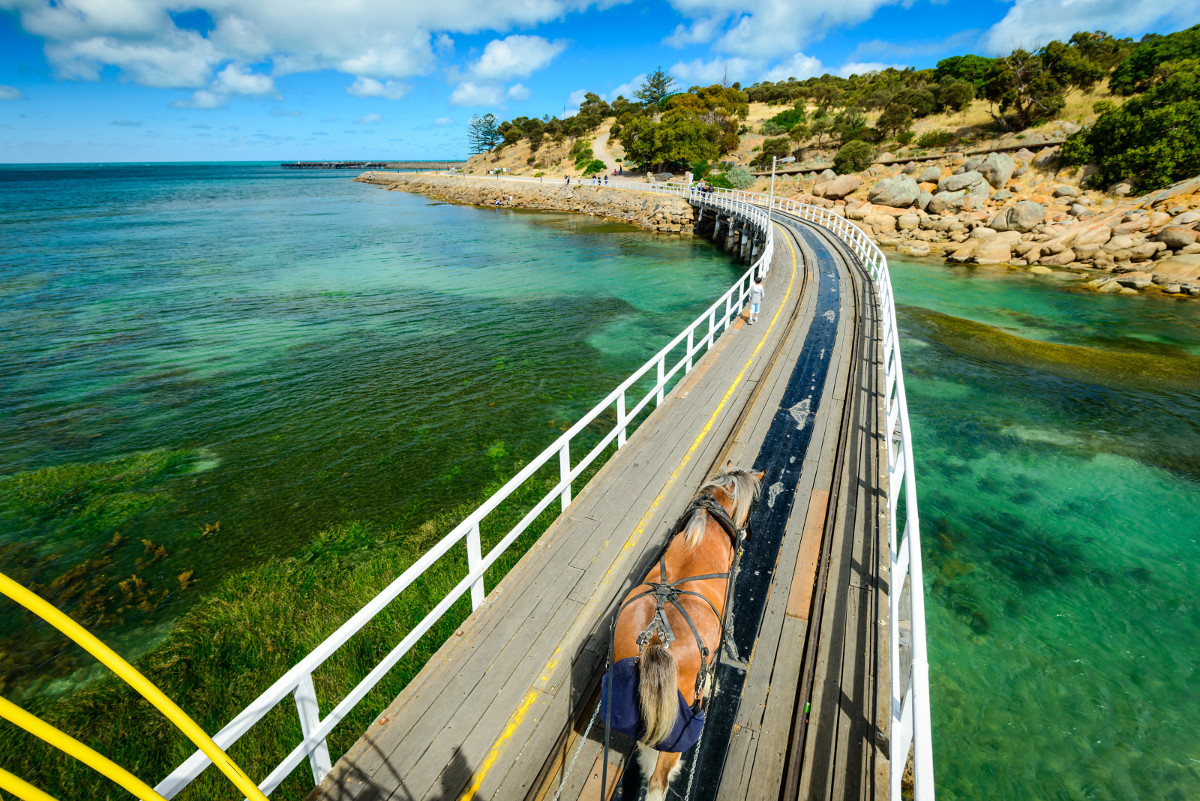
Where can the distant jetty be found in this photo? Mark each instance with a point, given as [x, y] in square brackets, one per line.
[371, 165]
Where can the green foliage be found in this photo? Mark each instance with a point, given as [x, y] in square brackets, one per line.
[854, 156]
[850, 124]
[1101, 49]
[896, 117]
[483, 133]
[1153, 140]
[773, 148]
[970, 68]
[679, 139]
[905, 137]
[593, 167]
[920, 102]
[739, 178]
[955, 94]
[783, 122]
[1102, 106]
[722, 106]
[1035, 85]
[656, 87]
[936, 138]
[1137, 72]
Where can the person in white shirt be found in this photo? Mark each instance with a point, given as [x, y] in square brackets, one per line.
[756, 296]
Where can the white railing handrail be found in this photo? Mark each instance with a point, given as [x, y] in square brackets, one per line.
[297, 681]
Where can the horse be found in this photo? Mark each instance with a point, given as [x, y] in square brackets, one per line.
[666, 639]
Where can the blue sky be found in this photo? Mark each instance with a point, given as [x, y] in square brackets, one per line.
[234, 80]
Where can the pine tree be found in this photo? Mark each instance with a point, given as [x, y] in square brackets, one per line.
[656, 87]
[483, 133]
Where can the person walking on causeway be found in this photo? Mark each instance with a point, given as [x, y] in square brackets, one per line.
[756, 296]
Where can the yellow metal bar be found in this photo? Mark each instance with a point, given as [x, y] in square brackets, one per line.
[130, 675]
[21, 788]
[69, 745]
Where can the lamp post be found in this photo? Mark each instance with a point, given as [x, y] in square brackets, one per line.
[774, 160]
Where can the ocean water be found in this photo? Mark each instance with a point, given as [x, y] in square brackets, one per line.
[1060, 506]
[294, 350]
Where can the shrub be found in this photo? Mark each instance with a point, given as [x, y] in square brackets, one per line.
[719, 179]
[1137, 72]
[935, 138]
[905, 137]
[854, 156]
[594, 166]
[783, 122]
[1151, 141]
[773, 148]
[739, 178]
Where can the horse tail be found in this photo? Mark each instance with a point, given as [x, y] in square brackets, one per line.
[657, 692]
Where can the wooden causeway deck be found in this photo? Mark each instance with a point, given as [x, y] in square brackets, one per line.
[497, 713]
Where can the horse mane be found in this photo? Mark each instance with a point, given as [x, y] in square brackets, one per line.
[740, 484]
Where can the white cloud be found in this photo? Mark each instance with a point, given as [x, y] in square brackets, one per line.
[863, 67]
[627, 89]
[765, 29]
[700, 31]
[469, 93]
[370, 87]
[203, 99]
[11, 93]
[799, 66]
[515, 57]
[370, 119]
[576, 98]
[235, 80]
[715, 70]
[379, 39]
[518, 92]
[1035, 22]
[442, 122]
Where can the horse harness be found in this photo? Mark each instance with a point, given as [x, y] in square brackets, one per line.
[667, 592]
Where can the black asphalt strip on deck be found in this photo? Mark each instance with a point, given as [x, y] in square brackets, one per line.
[781, 458]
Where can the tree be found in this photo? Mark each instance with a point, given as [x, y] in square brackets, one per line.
[656, 87]
[773, 149]
[483, 133]
[955, 94]
[970, 68]
[1101, 49]
[1153, 140]
[1136, 73]
[896, 117]
[1035, 85]
[854, 156]
[677, 140]
[722, 106]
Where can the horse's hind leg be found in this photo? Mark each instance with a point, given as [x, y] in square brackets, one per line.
[666, 770]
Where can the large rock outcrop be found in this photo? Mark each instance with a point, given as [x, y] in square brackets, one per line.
[899, 192]
[1021, 216]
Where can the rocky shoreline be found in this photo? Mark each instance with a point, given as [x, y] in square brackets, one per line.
[646, 210]
[1022, 211]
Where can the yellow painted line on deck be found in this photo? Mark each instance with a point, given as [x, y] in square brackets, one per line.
[514, 721]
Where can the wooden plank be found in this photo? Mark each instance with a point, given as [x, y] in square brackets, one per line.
[805, 576]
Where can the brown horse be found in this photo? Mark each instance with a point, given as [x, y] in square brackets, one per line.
[650, 627]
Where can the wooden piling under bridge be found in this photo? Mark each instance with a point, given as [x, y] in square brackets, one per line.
[802, 707]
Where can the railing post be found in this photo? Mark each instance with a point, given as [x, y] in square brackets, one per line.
[690, 346]
[308, 709]
[661, 380]
[564, 473]
[621, 420]
[474, 560]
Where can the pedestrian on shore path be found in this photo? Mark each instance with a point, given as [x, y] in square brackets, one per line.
[567, 178]
[756, 296]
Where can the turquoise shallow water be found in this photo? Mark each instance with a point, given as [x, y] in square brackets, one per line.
[1061, 542]
[323, 350]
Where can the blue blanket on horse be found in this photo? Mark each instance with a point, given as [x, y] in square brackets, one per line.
[626, 715]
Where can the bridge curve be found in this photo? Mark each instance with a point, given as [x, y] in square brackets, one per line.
[808, 705]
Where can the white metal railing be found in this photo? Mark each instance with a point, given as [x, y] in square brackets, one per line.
[297, 682]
